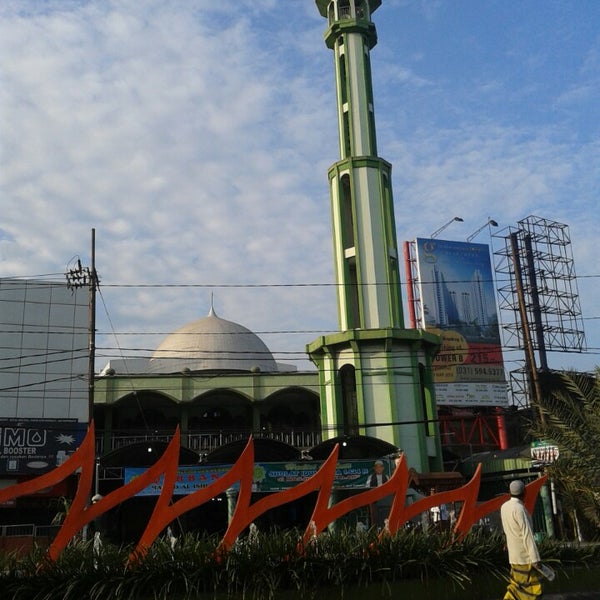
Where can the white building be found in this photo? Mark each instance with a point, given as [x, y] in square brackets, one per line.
[43, 373]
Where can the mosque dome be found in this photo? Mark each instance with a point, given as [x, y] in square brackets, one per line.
[212, 344]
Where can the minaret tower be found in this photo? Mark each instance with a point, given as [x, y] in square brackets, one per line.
[375, 376]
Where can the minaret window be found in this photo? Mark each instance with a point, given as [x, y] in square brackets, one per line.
[349, 406]
[331, 12]
[343, 79]
[347, 136]
[348, 240]
[369, 91]
[344, 11]
[387, 203]
[353, 309]
[368, 79]
[362, 9]
[348, 212]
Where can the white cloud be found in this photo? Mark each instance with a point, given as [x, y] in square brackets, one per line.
[195, 138]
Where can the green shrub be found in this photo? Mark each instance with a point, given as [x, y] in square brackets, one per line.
[267, 566]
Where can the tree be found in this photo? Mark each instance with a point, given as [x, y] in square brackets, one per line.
[570, 404]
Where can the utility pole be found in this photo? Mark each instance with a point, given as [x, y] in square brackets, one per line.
[535, 304]
[79, 277]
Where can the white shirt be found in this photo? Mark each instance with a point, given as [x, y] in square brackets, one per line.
[516, 522]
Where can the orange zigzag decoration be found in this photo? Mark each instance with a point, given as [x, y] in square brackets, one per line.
[165, 511]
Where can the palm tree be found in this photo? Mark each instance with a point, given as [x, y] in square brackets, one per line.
[570, 404]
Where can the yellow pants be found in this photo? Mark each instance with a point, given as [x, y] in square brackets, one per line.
[525, 583]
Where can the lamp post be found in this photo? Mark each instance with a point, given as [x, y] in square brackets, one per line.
[438, 231]
[489, 223]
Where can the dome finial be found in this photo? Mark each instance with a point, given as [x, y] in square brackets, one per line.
[211, 312]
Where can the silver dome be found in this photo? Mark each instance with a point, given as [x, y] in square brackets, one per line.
[212, 344]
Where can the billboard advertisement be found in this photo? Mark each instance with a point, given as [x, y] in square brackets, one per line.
[458, 302]
[37, 446]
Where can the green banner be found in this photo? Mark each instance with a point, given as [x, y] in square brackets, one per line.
[268, 477]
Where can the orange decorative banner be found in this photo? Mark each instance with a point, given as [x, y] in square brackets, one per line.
[166, 510]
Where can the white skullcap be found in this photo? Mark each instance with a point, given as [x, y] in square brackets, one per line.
[517, 487]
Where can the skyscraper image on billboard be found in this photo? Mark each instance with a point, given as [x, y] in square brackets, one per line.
[458, 302]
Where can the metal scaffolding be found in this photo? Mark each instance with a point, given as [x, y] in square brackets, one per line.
[537, 284]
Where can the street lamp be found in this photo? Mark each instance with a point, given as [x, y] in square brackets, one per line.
[490, 222]
[438, 231]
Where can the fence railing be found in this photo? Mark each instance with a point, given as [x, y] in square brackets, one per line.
[208, 441]
[28, 530]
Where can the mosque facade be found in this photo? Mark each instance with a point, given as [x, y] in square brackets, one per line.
[217, 381]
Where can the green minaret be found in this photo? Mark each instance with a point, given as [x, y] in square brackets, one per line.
[375, 376]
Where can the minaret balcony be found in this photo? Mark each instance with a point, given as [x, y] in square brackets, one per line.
[341, 10]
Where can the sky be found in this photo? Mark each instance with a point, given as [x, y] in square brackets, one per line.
[194, 138]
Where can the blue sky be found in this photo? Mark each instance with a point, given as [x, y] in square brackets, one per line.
[195, 137]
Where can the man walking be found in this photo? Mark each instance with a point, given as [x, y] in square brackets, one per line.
[523, 554]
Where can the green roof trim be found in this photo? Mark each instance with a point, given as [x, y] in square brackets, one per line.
[364, 335]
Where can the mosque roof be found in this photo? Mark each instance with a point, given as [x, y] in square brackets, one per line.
[212, 344]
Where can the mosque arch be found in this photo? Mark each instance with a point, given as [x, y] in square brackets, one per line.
[289, 409]
[220, 409]
[143, 411]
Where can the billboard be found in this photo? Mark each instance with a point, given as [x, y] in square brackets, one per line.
[37, 446]
[458, 302]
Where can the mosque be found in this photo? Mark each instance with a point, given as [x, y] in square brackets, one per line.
[217, 381]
